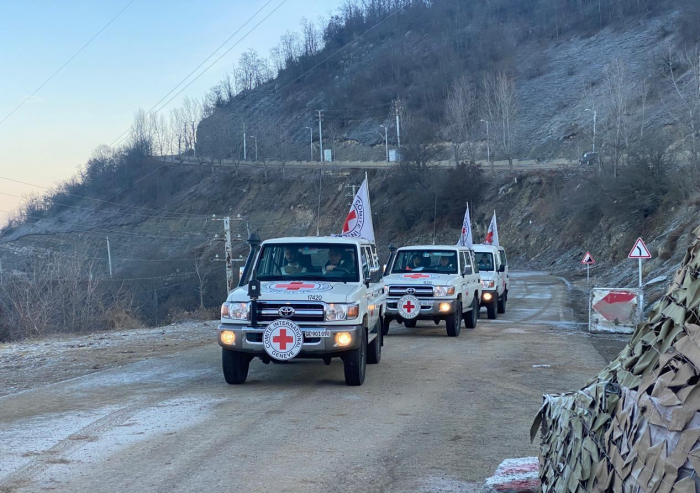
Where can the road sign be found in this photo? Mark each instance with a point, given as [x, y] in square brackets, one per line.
[640, 250]
[588, 259]
[615, 310]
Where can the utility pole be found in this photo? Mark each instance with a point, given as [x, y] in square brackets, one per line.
[318, 214]
[398, 127]
[194, 140]
[488, 143]
[311, 132]
[0, 271]
[228, 247]
[255, 137]
[109, 257]
[187, 137]
[386, 140]
[320, 133]
[245, 150]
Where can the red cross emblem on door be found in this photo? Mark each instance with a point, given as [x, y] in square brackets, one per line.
[283, 339]
[416, 276]
[294, 286]
[408, 306]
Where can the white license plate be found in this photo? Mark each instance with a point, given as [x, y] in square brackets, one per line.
[317, 333]
[426, 304]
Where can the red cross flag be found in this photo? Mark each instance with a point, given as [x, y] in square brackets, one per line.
[465, 239]
[358, 224]
[492, 235]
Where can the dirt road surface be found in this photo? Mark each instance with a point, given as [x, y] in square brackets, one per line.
[436, 415]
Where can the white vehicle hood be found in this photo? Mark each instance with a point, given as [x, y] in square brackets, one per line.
[419, 278]
[489, 275]
[335, 292]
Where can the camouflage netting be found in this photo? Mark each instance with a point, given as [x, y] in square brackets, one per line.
[636, 426]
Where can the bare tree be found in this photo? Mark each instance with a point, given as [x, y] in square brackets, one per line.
[142, 133]
[202, 269]
[501, 107]
[618, 95]
[459, 117]
[686, 86]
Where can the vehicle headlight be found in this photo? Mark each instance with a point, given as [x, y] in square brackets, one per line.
[444, 290]
[339, 311]
[386, 289]
[235, 311]
[488, 284]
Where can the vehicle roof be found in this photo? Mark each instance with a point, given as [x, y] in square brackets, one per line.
[319, 239]
[487, 248]
[433, 247]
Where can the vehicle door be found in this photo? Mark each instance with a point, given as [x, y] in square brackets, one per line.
[506, 274]
[468, 277]
[371, 272]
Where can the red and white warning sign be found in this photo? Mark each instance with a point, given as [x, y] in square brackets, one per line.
[615, 310]
[408, 307]
[282, 339]
[588, 259]
[640, 250]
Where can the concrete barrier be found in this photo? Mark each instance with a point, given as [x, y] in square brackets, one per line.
[515, 476]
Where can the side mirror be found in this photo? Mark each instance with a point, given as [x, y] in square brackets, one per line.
[375, 276]
[502, 268]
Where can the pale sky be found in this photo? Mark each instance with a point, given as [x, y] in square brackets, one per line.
[139, 58]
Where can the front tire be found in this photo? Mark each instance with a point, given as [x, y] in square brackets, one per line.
[409, 323]
[374, 351]
[502, 302]
[355, 362]
[491, 310]
[235, 366]
[454, 321]
[385, 325]
[473, 317]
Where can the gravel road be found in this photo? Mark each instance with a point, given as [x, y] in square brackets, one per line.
[436, 415]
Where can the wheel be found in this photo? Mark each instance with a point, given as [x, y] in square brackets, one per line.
[385, 326]
[235, 365]
[471, 319]
[409, 323]
[374, 351]
[491, 310]
[355, 362]
[502, 303]
[454, 321]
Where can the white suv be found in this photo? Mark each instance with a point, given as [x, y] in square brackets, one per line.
[433, 283]
[493, 265]
[305, 297]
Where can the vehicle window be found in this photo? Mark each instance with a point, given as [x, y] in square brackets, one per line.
[504, 260]
[484, 260]
[466, 264]
[429, 261]
[366, 259]
[318, 261]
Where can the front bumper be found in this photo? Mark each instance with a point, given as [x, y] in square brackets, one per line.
[429, 308]
[249, 339]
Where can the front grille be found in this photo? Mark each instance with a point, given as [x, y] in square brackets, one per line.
[267, 311]
[420, 291]
[257, 338]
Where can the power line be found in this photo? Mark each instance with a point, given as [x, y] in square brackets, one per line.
[107, 202]
[67, 62]
[206, 69]
[198, 66]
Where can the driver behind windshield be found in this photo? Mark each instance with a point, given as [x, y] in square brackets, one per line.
[292, 265]
[444, 264]
[335, 263]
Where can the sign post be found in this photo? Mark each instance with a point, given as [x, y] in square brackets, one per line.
[588, 260]
[639, 252]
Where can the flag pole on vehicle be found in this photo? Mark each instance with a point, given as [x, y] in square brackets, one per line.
[358, 223]
[466, 238]
[492, 235]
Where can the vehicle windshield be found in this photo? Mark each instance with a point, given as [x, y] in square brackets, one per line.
[313, 261]
[431, 261]
[484, 260]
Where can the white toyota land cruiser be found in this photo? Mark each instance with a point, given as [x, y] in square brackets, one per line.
[495, 278]
[309, 298]
[433, 283]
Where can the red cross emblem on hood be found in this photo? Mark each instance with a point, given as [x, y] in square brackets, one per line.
[294, 286]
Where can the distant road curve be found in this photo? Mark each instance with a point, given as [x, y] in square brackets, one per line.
[519, 165]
